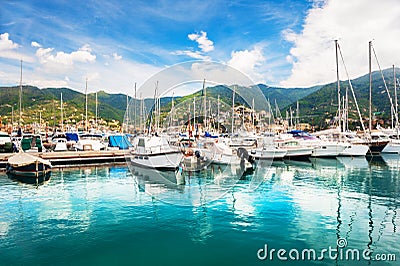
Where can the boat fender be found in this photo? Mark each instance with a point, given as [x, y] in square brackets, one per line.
[197, 153]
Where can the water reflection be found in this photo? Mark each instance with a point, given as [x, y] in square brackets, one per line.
[299, 204]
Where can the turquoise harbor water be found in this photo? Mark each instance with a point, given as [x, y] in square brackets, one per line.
[105, 216]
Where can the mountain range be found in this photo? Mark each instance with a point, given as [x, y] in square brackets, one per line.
[317, 104]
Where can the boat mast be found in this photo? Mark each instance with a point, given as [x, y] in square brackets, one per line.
[205, 103]
[141, 112]
[172, 112]
[86, 111]
[338, 84]
[252, 115]
[194, 112]
[218, 114]
[134, 109]
[370, 86]
[96, 111]
[20, 98]
[395, 98]
[126, 113]
[297, 114]
[233, 107]
[62, 115]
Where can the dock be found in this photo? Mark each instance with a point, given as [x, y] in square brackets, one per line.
[74, 158]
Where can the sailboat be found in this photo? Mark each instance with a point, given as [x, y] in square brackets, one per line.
[153, 151]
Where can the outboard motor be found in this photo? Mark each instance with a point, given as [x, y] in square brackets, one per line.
[243, 154]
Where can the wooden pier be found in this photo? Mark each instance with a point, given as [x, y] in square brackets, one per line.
[74, 158]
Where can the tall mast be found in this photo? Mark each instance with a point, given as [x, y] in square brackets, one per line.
[194, 112]
[338, 84]
[62, 115]
[86, 111]
[134, 109]
[252, 114]
[158, 109]
[233, 107]
[96, 110]
[395, 99]
[370, 86]
[20, 98]
[127, 113]
[218, 115]
[172, 111]
[141, 114]
[297, 114]
[205, 103]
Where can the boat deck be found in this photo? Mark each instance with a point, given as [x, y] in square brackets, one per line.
[74, 158]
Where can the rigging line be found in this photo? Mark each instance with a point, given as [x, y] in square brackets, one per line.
[384, 82]
[352, 90]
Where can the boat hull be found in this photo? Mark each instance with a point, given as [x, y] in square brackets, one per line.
[267, 154]
[160, 161]
[298, 153]
[355, 150]
[392, 147]
[327, 150]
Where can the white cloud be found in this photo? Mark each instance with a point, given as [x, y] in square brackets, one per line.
[35, 44]
[193, 54]
[116, 56]
[204, 43]
[6, 44]
[354, 23]
[83, 55]
[9, 49]
[248, 62]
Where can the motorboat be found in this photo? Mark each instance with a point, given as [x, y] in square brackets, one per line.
[268, 153]
[294, 149]
[59, 143]
[90, 142]
[31, 143]
[155, 152]
[321, 148]
[6, 144]
[28, 166]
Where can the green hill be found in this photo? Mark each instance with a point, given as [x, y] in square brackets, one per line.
[317, 104]
[322, 105]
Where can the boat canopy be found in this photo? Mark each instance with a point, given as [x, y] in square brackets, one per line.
[120, 141]
[22, 159]
[72, 136]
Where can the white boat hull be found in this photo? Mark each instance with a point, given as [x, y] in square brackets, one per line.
[355, 150]
[327, 150]
[163, 160]
[392, 147]
[298, 152]
[268, 153]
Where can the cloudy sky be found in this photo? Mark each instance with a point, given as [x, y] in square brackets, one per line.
[114, 44]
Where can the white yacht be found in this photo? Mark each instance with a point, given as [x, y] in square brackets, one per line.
[394, 142]
[321, 148]
[292, 146]
[351, 147]
[90, 142]
[59, 142]
[155, 152]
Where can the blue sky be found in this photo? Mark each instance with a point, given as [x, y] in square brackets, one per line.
[116, 43]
